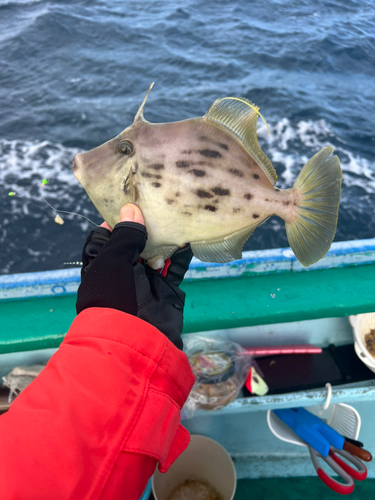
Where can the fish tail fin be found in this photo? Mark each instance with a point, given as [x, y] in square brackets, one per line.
[318, 185]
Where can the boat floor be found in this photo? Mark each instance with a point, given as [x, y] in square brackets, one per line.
[296, 488]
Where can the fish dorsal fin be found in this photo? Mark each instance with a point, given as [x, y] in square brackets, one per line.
[238, 116]
[139, 115]
[222, 249]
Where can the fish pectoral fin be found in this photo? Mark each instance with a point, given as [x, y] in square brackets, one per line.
[238, 117]
[224, 249]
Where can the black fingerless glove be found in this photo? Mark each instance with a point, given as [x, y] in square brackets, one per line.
[160, 301]
[93, 244]
[113, 277]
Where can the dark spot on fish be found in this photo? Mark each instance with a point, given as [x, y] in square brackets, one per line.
[198, 173]
[211, 208]
[295, 204]
[248, 196]
[177, 194]
[220, 191]
[256, 176]
[157, 166]
[147, 175]
[286, 203]
[182, 164]
[156, 184]
[186, 152]
[210, 153]
[203, 194]
[187, 213]
[204, 138]
[236, 210]
[267, 199]
[236, 172]
[169, 201]
[215, 201]
[255, 216]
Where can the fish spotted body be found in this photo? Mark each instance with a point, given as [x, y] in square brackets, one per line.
[205, 181]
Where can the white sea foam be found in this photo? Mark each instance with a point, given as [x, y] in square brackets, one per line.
[24, 165]
[287, 140]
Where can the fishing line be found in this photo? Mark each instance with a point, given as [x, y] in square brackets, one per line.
[45, 181]
[71, 213]
[57, 219]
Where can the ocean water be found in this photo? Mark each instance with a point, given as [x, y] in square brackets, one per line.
[73, 74]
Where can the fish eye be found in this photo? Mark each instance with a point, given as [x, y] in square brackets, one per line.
[125, 148]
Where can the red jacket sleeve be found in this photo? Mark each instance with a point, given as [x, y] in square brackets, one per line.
[100, 416]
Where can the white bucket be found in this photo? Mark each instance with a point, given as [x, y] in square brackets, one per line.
[204, 459]
[362, 324]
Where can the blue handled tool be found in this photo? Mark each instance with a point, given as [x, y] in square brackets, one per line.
[311, 429]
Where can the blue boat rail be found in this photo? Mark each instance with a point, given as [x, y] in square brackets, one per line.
[258, 262]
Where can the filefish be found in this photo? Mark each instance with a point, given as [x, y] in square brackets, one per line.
[207, 182]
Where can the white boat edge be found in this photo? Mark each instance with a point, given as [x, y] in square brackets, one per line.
[258, 262]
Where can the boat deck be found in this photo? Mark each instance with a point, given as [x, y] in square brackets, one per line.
[297, 488]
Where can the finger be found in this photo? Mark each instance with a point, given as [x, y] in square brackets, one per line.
[131, 213]
[106, 226]
[179, 264]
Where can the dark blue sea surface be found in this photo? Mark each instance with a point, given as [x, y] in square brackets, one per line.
[73, 74]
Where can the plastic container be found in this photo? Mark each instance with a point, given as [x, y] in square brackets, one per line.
[362, 324]
[220, 368]
[204, 459]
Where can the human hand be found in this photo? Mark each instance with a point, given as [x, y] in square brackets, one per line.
[113, 277]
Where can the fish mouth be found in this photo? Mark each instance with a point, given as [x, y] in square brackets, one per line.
[77, 164]
[74, 164]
